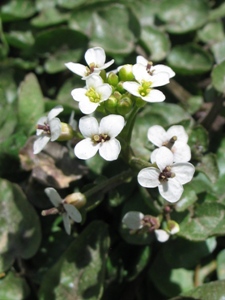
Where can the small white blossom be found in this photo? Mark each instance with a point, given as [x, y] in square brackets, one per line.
[175, 138]
[144, 87]
[68, 211]
[100, 137]
[90, 97]
[95, 58]
[169, 177]
[133, 220]
[48, 129]
[153, 70]
[161, 235]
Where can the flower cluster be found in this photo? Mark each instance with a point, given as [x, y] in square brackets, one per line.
[118, 96]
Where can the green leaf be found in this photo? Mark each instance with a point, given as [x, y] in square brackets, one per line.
[217, 13]
[207, 221]
[80, 270]
[198, 141]
[218, 75]
[209, 291]
[174, 280]
[20, 230]
[49, 17]
[103, 27]
[183, 16]
[30, 103]
[17, 9]
[56, 62]
[212, 32]
[188, 254]
[20, 39]
[221, 265]
[156, 42]
[189, 59]
[218, 50]
[187, 199]
[209, 167]
[12, 286]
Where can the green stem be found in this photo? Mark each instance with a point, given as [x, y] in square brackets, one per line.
[110, 183]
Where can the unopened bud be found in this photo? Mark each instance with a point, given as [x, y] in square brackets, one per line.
[172, 227]
[67, 132]
[111, 104]
[124, 105]
[113, 79]
[76, 199]
[125, 73]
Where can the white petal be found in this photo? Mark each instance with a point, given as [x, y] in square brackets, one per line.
[140, 73]
[88, 126]
[73, 212]
[85, 149]
[154, 96]
[94, 81]
[95, 55]
[54, 112]
[78, 69]
[105, 91]
[79, 94]
[157, 135]
[110, 150]
[40, 143]
[149, 177]
[88, 107]
[162, 68]
[53, 196]
[184, 172]
[179, 132]
[66, 222]
[105, 66]
[181, 152]
[132, 87]
[111, 125]
[141, 60]
[160, 79]
[132, 220]
[164, 158]
[161, 235]
[55, 127]
[153, 155]
[171, 190]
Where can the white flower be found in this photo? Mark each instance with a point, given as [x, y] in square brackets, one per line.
[100, 137]
[175, 138]
[68, 211]
[153, 70]
[143, 88]
[161, 235]
[95, 58]
[133, 220]
[169, 177]
[48, 129]
[90, 97]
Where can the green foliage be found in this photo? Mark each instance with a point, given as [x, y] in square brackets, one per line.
[103, 259]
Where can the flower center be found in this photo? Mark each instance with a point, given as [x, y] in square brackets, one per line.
[93, 95]
[165, 174]
[100, 138]
[45, 128]
[148, 68]
[145, 88]
[170, 143]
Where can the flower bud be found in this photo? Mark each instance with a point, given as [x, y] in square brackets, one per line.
[76, 199]
[124, 105]
[67, 132]
[113, 79]
[111, 104]
[140, 102]
[172, 227]
[125, 73]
